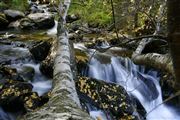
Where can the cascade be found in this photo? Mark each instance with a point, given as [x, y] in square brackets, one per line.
[20, 58]
[143, 84]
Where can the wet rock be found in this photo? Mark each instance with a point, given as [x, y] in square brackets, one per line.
[40, 50]
[3, 21]
[12, 94]
[90, 45]
[9, 73]
[27, 73]
[34, 9]
[107, 96]
[10, 54]
[81, 60]
[27, 23]
[46, 66]
[42, 20]
[14, 24]
[18, 96]
[13, 15]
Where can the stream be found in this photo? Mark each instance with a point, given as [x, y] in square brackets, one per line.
[15, 55]
[138, 81]
[143, 84]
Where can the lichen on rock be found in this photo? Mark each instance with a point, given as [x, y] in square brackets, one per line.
[107, 96]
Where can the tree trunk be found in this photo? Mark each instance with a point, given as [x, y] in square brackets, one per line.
[174, 36]
[64, 102]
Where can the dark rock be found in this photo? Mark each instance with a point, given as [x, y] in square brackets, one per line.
[3, 21]
[40, 50]
[27, 23]
[44, 1]
[9, 73]
[107, 96]
[90, 45]
[18, 96]
[46, 66]
[12, 95]
[81, 60]
[42, 20]
[27, 73]
[13, 15]
[156, 46]
[72, 18]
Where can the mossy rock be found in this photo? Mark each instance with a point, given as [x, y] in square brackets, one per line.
[9, 73]
[81, 56]
[27, 23]
[3, 21]
[81, 59]
[107, 96]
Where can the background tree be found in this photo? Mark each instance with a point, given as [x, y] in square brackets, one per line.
[174, 36]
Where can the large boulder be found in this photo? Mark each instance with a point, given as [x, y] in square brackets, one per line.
[13, 15]
[107, 96]
[3, 21]
[42, 20]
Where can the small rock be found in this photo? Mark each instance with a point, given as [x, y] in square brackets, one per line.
[72, 18]
[40, 50]
[9, 73]
[27, 73]
[14, 24]
[27, 23]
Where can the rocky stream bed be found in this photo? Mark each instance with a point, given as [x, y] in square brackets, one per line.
[29, 78]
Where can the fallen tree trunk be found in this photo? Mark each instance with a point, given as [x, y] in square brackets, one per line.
[162, 62]
[155, 60]
[64, 103]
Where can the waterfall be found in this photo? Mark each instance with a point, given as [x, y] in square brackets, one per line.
[138, 81]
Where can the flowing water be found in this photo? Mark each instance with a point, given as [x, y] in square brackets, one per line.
[20, 58]
[138, 81]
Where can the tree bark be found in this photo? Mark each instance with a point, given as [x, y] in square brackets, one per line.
[157, 61]
[64, 103]
[174, 36]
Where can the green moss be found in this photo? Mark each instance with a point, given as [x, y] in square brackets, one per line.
[93, 12]
[3, 5]
[15, 4]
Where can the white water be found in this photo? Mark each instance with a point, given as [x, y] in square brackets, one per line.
[53, 30]
[142, 84]
[40, 83]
